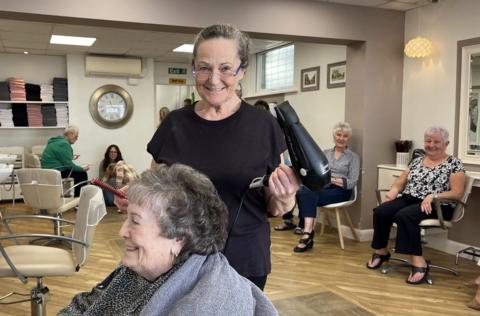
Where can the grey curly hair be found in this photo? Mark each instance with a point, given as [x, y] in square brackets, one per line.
[186, 204]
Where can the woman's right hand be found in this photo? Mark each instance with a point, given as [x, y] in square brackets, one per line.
[121, 203]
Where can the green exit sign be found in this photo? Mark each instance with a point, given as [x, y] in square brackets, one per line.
[177, 71]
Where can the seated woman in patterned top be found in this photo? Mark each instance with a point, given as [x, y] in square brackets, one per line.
[437, 175]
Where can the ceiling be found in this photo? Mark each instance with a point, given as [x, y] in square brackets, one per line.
[401, 5]
[33, 37]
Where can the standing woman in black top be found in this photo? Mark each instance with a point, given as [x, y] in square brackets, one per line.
[232, 143]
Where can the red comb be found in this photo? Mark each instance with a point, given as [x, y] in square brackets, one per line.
[109, 188]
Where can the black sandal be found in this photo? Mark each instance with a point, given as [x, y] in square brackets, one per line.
[298, 231]
[285, 226]
[308, 242]
[382, 258]
[423, 270]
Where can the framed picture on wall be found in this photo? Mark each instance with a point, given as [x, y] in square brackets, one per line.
[310, 79]
[336, 74]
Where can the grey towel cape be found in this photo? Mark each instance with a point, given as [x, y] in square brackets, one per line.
[208, 285]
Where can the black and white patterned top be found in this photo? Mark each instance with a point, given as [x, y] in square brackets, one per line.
[423, 180]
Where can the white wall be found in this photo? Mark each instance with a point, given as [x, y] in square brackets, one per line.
[318, 110]
[132, 138]
[429, 84]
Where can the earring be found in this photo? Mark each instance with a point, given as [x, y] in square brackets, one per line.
[173, 255]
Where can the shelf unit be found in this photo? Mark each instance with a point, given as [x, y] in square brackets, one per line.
[33, 102]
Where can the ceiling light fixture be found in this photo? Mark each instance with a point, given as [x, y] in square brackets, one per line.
[25, 52]
[72, 40]
[185, 48]
[418, 47]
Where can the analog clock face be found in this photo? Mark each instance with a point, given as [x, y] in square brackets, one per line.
[111, 106]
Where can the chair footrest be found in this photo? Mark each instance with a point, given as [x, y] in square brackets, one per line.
[2, 298]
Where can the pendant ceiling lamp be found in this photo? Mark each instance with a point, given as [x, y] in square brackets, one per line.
[418, 47]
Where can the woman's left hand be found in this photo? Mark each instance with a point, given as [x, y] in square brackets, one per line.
[426, 205]
[283, 185]
[337, 181]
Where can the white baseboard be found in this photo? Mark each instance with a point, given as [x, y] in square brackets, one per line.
[436, 238]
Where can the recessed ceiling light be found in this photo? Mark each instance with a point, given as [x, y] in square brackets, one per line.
[185, 48]
[25, 52]
[72, 40]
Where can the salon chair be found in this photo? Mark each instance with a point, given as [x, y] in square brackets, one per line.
[340, 207]
[42, 189]
[439, 222]
[32, 261]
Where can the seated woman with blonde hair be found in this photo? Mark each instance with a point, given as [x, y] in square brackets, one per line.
[435, 176]
[345, 167]
[172, 265]
[117, 175]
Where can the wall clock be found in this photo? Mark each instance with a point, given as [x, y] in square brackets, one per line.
[111, 106]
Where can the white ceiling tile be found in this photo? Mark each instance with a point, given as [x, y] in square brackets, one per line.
[109, 50]
[14, 50]
[369, 3]
[25, 27]
[32, 51]
[68, 48]
[24, 44]
[19, 36]
[396, 5]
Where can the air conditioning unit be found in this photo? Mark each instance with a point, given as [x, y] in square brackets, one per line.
[113, 66]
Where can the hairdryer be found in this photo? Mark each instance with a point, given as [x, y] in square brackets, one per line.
[307, 158]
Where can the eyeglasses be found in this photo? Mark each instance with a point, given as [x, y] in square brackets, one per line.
[224, 72]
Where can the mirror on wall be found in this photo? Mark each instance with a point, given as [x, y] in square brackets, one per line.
[469, 120]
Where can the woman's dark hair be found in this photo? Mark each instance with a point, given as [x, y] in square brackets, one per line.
[263, 105]
[186, 205]
[106, 157]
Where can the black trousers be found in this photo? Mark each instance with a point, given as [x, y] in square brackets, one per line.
[406, 212]
[78, 176]
[259, 281]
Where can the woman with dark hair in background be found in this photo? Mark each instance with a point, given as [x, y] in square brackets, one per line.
[112, 155]
[262, 104]
[110, 158]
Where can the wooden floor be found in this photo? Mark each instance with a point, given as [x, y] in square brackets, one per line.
[300, 284]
